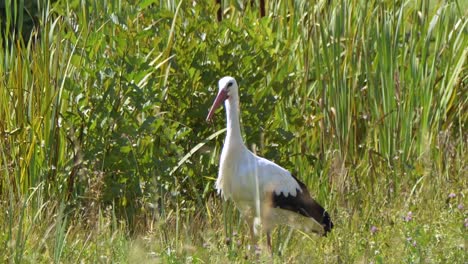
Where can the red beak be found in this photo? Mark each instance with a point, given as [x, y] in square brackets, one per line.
[222, 96]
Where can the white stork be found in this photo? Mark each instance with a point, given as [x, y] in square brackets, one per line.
[264, 192]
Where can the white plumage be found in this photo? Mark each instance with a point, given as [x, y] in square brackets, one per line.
[263, 191]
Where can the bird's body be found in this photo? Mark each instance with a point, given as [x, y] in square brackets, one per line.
[263, 191]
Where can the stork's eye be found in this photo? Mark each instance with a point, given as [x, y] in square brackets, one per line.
[229, 84]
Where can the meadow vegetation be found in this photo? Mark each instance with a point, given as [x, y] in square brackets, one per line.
[105, 155]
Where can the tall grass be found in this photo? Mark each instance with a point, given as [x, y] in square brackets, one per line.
[105, 155]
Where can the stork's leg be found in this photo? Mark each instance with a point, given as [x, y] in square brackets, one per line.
[268, 235]
[253, 237]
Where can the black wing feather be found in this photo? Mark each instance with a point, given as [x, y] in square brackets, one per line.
[303, 204]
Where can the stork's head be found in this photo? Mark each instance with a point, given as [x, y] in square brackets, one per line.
[227, 89]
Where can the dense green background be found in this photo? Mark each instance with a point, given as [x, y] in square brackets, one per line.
[105, 154]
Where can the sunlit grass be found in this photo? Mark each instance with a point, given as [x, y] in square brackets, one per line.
[105, 155]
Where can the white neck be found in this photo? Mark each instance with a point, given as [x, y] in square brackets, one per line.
[233, 135]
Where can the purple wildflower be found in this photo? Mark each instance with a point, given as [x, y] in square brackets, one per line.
[452, 195]
[373, 229]
[409, 216]
[460, 207]
[411, 241]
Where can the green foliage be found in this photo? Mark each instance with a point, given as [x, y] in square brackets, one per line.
[102, 120]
